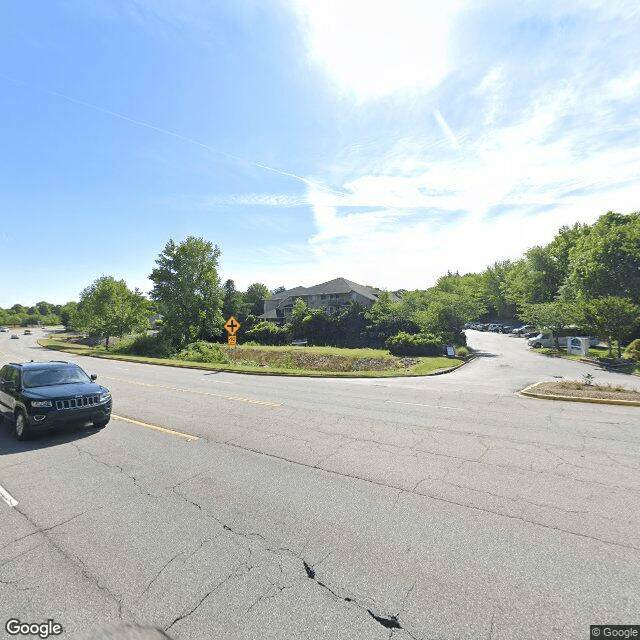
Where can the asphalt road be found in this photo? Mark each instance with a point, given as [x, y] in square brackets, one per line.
[443, 507]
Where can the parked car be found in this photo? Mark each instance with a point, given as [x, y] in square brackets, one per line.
[547, 340]
[525, 328]
[15, 336]
[27, 332]
[41, 396]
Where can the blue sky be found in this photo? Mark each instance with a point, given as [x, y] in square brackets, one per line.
[385, 142]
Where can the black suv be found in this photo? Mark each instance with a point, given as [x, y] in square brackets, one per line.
[39, 396]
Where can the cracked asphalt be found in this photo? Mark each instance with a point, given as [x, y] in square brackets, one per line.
[430, 508]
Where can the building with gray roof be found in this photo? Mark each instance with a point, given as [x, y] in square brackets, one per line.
[332, 296]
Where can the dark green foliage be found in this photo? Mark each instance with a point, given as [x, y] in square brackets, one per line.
[255, 296]
[187, 289]
[418, 344]
[109, 308]
[605, 259]
[632, 352]
[611, 318]
[151, 346]
[267, 333]
[202, 351]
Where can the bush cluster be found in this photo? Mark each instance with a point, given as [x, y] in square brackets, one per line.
[152, 346]
[202, 351]
[416, 344]
[632, 352]
[268, 333]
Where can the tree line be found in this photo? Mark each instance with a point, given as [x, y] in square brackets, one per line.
[587, 276]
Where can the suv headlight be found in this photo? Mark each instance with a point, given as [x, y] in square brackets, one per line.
[104, 396]
[41, 403]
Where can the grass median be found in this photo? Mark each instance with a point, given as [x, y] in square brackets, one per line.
[285, 360]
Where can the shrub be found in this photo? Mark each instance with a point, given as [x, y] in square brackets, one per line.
[417, 344]
[632, 352]
[267, 333]
[463, 352]
[152, 346]
[202, 351]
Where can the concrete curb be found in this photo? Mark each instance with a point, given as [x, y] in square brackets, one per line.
[530, 392]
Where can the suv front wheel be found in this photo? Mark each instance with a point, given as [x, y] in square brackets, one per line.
[21, 429]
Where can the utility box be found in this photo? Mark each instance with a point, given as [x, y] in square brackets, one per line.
[578, 346]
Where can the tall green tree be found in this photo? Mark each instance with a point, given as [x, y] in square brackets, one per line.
[605, 259]
[255, 296]
[612, 318]
[109, 308]
[233, 302]
[187, 289]
[66, 312]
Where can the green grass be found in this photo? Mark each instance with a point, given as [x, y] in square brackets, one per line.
[287, 360]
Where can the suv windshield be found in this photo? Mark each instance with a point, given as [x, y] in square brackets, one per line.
[45, 377]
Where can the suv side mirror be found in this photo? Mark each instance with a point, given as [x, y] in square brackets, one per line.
[93, 377]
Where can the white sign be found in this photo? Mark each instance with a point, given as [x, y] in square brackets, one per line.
[578, 346]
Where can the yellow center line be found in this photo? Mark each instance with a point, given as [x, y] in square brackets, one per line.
[263, 403]
[147, 425]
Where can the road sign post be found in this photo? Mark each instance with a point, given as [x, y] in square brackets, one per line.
[232, 326]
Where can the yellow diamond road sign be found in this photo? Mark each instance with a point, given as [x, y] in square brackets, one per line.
[232, 326]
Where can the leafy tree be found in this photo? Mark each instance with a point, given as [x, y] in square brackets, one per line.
[299, 312]
[279, 289]
[45, 308]
[605, 259]
[187, 288]
[444, 314]
[267, 333]
[108, 308]
[495, 290]
[386, 318]
[349, 325]
[555, 316]
[233, 303]
[534, 279]
[255, 296]
[66, 312]
[610, 318]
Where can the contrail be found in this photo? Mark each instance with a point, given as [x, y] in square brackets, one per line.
[167, 132]
[446, 129]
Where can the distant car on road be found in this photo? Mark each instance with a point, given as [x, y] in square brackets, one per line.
[15, 336]
[41, 396]
[27, 332]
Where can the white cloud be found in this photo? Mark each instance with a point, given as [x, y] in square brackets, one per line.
[257, 200]
[372, 48]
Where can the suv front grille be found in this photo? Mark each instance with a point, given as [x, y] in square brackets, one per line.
[77, 403]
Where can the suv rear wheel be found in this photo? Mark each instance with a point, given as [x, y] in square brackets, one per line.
[21, 429]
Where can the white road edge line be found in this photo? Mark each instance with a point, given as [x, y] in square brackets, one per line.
[435, 406]
[7, 497]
